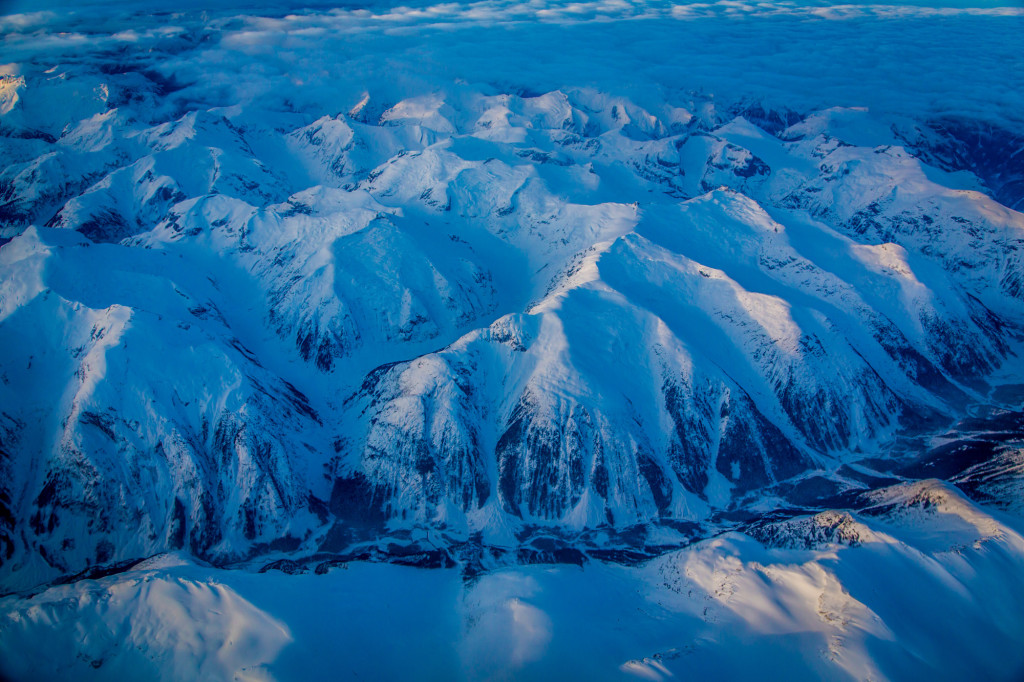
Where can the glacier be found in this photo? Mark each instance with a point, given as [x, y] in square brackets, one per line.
[519, 319]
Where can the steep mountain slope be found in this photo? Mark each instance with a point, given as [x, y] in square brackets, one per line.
[501, 340]
[807, 598]
[437, 317]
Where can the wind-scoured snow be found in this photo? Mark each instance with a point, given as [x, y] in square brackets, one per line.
[499, 284]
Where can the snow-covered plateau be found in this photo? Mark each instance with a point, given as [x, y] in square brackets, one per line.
[511, 340]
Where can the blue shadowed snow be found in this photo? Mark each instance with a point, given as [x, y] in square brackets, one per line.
[481, 286]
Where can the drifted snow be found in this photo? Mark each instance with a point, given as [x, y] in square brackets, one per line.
[871, 602]
[346, 283]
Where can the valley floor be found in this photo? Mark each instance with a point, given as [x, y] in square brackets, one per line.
[926, 585]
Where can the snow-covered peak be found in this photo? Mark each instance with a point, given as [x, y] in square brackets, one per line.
[321, 282]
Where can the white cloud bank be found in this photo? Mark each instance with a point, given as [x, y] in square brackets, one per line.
[905, 59]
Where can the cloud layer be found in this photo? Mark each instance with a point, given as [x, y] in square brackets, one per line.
[906, 59]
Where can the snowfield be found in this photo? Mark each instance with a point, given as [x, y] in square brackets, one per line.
[871, 596]
[551, 340]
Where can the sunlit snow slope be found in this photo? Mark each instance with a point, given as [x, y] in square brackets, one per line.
[921, 585]
[497, 284]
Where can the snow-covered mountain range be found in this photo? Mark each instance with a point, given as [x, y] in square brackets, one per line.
[287, 291]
